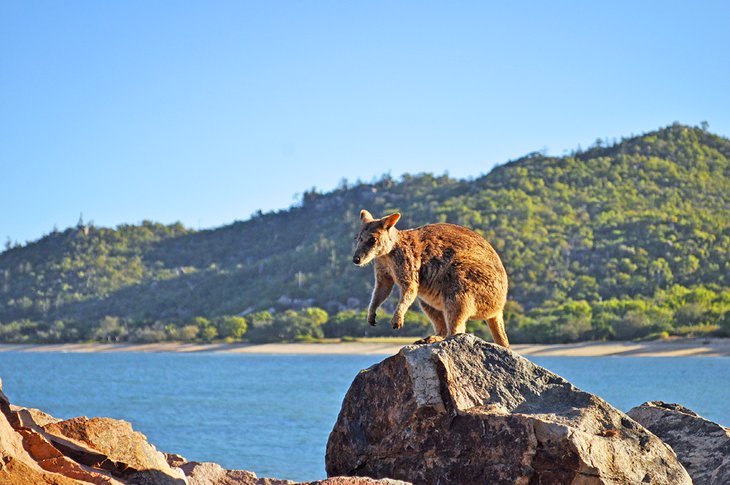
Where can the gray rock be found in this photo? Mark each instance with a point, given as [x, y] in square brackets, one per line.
[703, 447]
[464, 411]
[214, 474]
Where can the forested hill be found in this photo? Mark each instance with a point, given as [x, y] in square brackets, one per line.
[612, 242]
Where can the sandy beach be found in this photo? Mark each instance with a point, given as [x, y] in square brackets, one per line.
[658, 348]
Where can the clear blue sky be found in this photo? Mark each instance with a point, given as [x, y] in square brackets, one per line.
[205, 112]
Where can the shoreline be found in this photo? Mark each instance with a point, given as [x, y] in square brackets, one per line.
[684, 347]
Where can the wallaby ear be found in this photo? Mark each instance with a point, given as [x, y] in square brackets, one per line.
[365, 216]
[390, 221]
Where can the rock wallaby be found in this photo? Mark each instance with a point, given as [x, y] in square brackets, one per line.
[454, 272]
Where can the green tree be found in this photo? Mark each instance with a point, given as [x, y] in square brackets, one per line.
[348, 323]
[314, 315]
[232, 327]
[208, 333]
[188, 333]
[724, 322]
[110, 329]
[573, 321]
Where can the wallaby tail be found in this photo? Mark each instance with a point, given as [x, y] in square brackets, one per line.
[496, 325]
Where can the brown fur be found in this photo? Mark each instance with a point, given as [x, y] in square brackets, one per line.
[453, 271]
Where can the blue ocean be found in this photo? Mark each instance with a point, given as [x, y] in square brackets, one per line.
[272, 414]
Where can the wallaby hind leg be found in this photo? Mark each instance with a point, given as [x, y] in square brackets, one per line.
[496, 325]
[456, 317]
[436, 317]
[439, 324]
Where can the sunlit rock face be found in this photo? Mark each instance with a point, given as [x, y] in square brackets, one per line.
[464, 411]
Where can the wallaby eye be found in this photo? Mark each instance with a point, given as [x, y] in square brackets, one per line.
[371, 240]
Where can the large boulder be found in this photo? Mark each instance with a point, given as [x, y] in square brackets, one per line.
[464, 411]
[703, 447]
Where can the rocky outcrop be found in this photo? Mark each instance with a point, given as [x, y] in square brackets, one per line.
[464, 411]
[703, 447]
[115, 439]
[27, 457]
[38, 449]
[214, 474]
[458, 411]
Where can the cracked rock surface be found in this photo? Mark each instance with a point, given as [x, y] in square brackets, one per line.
[464, 411]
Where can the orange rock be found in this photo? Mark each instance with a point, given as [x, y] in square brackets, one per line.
[175, 460]
[17, 472]
[116, 440]
[38, 417]
[17, 465]
[38, 457]
[51, 459]
[38, 449]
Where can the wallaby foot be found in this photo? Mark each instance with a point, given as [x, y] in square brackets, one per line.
[429, 340]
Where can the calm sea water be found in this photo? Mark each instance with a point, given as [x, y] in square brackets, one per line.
[273, 414]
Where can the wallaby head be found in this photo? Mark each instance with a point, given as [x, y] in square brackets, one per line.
[375, 238]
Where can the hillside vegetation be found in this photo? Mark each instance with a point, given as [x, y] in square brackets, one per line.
[619, 241]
